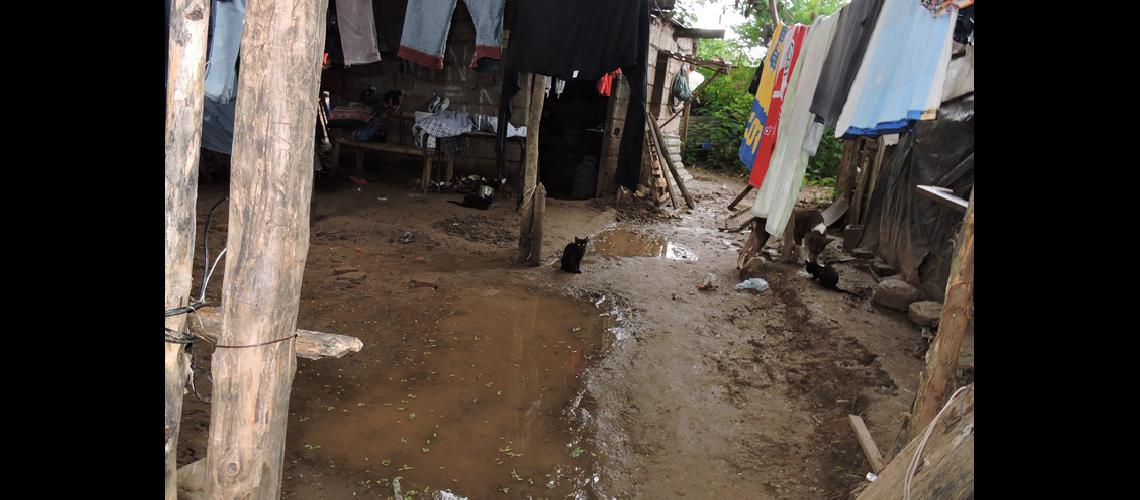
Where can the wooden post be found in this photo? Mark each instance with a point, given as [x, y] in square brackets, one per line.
[956, 314]
[945, 468]
[272, 173]
[189, 24]
[530, 167]
[669, 161]
[537, 224]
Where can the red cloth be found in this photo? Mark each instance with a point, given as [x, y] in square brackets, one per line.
[605, 83]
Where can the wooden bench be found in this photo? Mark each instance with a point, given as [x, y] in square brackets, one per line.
[429, 156]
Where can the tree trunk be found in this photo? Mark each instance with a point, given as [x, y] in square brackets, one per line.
[268, 243]
[189, 24]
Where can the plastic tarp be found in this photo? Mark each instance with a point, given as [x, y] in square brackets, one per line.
[909, 231]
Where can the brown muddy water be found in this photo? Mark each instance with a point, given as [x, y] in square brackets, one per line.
[621, 241]
[488, 402]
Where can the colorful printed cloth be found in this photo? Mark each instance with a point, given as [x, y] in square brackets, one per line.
[791, 52]
[759, 115]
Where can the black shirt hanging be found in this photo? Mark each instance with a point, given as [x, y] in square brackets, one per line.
[583, 40]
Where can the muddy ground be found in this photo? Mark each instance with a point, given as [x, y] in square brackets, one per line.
[490, 379]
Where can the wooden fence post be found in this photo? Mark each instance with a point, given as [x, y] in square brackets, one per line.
[268, 243]
[189, 25]
[530, 167]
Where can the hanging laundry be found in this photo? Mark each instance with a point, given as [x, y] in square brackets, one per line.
[902, 74]
[357, 31]
[584, 39]
[426, 23]
[791, 52]
[332, 37]
[558, 85]
[605, 83]
[800, 132]
[221, 71]
[848, 47]
[759, 114]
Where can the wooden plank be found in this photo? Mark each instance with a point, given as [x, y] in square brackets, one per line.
[955, 320]
[944, 197]
[389, 147]
[310, 345]
[698, 33]
[945, 465]
[866, 442]
[189, 23]
[270, 187]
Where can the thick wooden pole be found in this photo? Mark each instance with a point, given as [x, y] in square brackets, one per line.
[272, 175]
[956, 314]
[189, 24]
[530, 167]
[945, 468]
[537, 224]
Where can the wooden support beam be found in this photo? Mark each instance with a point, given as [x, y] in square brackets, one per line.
[944, 351]
[530, 167]
[691, 59]
[310, 345]
[945, 465]
[870, 450]
[698, 33]
[189, 25]
[272, 175]
[669, 161]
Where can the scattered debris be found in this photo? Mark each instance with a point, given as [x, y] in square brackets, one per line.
[405, 237]
[420, 259]
[418, 283]
[343, 269]
[708, 283]
[381, 198]
[357, 180]
[758, 284]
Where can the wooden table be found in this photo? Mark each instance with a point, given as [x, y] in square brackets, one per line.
[429, 157]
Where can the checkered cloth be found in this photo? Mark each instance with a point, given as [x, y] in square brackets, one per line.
[446, 124]
[451, 145]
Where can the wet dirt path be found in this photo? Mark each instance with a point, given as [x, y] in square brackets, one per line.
[493, 380]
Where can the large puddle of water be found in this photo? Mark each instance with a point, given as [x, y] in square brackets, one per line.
[477, 405]
[620, 241]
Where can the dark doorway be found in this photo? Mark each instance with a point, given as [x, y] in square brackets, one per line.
[570, 142]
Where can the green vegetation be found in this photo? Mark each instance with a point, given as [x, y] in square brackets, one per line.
[722, 106]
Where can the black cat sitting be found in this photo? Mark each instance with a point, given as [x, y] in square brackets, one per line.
[572, 255]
